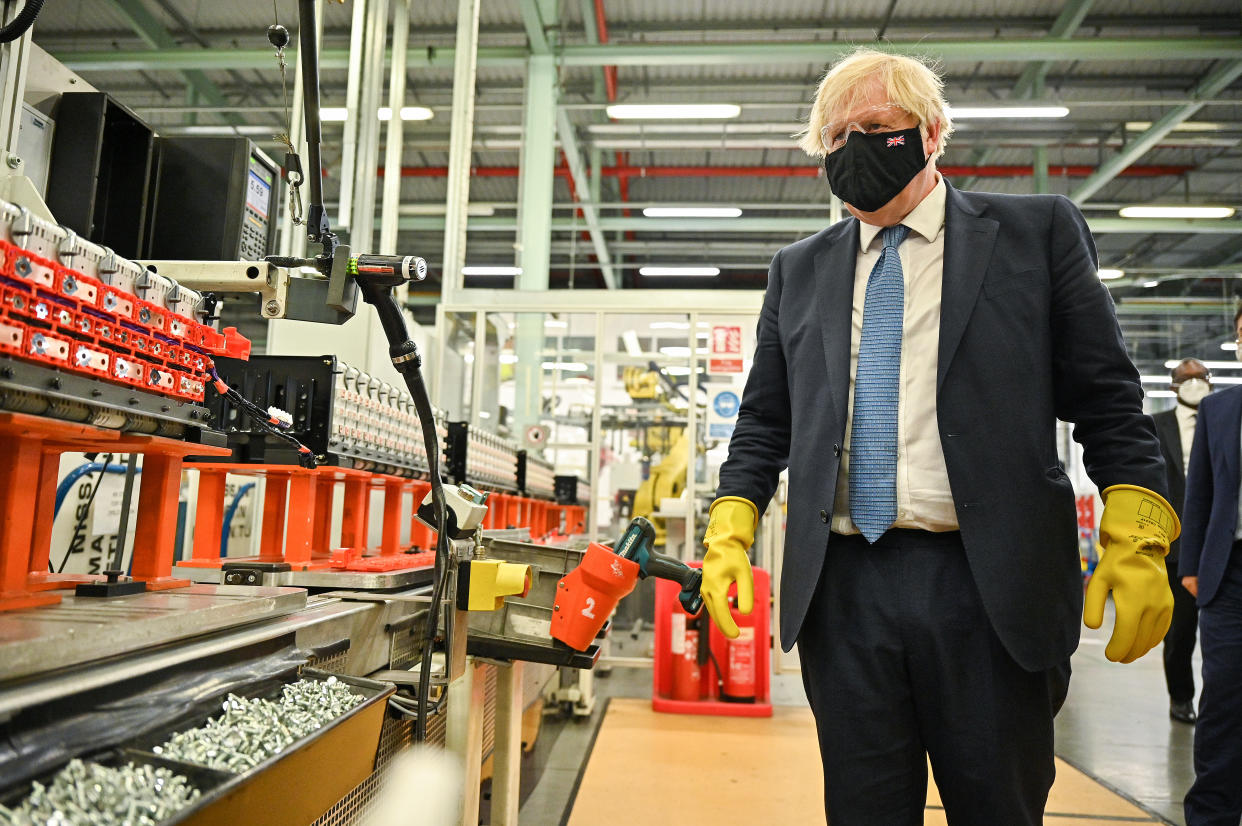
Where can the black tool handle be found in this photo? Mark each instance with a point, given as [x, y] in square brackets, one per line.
[665, 567]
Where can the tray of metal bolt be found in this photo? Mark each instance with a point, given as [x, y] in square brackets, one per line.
[117, 787]
[286, 757]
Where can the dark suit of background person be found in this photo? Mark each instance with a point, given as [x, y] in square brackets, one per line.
[939, 643]
[1211, 565]
[1174, 428]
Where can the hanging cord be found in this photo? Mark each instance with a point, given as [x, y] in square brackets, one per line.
[278, 36]
[273, 421]
[23, 21]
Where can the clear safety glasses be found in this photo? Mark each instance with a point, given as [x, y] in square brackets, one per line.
[886, 117]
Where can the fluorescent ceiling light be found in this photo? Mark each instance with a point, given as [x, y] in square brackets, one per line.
[488, 270]
[1159, 394]
[1184, 126]
[692, 212]
[679, 271]
[1231, 346]
[1213, 365]
[1175, 211]
[630, 111]
[677, 371]
[483, 414]
[1109, 273]
[338, 114]
[670, 325]
[553, 322]
[1150, 284]
[508, 358]
[675, 352]
[567, 366]
[408, 113]
[972, 112]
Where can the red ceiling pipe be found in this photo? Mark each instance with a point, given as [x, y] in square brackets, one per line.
[610, 72]
[624, 171]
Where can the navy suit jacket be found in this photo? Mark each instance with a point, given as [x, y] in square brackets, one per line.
[1028, 335]
[1169, 431]
[1210, 517]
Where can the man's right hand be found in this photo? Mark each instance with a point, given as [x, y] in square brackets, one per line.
[730, 533]
[1191, 584]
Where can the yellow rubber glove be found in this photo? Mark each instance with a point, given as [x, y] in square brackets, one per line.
[1135, 532]
[730, 533]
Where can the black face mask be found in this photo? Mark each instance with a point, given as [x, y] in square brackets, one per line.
[870, 170]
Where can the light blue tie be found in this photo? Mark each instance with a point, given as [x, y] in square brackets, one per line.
[873, 437]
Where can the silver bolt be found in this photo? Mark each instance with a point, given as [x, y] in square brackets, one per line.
[272, 307]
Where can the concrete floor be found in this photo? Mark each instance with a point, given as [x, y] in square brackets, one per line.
[1114, 726]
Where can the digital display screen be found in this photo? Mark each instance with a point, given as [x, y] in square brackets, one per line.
[258, 193]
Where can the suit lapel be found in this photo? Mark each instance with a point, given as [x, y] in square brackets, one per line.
[1232, 442]
[834, 289]
[1173, 438]
[968, 242]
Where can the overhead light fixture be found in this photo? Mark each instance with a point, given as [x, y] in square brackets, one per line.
[981, 112]
[339, 114]
[1213, 365]
[556, 322]
[1109, 273]
[1231, 346]
[407, 113]
[676, 370]
[668, 111]
[1175, 211]
[566, 366]
[669, 325]
[675, 352]
[679, 271]
[692, 212]
[1159, 394]
[1150, 284]
[489, 270]
[1184, 126]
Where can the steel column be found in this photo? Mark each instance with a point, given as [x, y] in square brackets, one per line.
[366, 162]
[394, 141]
[353, 84]
[461, 138]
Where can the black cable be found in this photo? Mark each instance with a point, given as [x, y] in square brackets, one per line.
[81, 523]
[426, 417]
[23, 21]
[263, 419]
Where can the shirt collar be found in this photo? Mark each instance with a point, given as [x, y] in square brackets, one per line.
[926, 219]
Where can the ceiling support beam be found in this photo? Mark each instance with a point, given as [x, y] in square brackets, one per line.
[582, 186]
[1216, 81]
[1146, 49]
[153, 33]
[1030, 83]
[796, 226]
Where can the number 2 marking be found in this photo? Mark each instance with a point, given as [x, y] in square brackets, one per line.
[588, 611]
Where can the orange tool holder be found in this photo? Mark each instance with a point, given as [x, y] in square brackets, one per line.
[30, 448]
[297, 518]
[587, 595]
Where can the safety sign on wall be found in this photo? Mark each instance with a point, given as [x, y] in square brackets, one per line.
[725, 350]
[724, 401]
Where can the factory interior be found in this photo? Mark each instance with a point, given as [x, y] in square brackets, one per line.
[401, 402]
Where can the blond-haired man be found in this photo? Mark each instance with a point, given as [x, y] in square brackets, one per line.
[911, 364]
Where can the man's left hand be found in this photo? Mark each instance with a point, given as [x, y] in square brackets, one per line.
[1135, 532]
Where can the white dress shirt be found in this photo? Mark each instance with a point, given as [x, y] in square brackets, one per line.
[924, 500]
[1186, 417]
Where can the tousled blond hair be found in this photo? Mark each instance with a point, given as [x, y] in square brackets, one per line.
[909, 82]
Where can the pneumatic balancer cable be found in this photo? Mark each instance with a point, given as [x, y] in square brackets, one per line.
[23, 21]
[271, 421]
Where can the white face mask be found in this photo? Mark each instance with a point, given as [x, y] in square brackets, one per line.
[1192, 391]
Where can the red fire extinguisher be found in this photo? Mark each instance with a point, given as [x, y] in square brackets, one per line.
[687, 672]
[737, 683]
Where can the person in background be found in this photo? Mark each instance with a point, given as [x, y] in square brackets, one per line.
[1211, 569]
[910, 367]
[1191, 380]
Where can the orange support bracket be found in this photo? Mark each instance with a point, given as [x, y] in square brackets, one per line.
[20, 471]
[394, 493]
[356, 513]
[209, 514]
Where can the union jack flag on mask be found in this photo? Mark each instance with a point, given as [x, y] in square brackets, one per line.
[900, 140]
